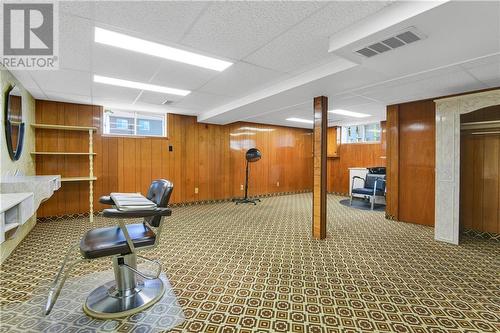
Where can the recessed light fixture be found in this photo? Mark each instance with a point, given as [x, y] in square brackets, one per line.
[130, 43]
[300, 120]
[349, 113]
[139, 85]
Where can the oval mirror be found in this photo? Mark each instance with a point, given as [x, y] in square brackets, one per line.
[14, 126]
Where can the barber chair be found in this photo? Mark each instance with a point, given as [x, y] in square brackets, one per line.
[131, 291]
[373, 186]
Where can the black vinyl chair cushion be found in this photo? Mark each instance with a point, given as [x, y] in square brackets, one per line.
[366, 191]
[130, 214]
[103, 242]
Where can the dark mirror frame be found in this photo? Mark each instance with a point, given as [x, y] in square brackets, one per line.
[8, 129]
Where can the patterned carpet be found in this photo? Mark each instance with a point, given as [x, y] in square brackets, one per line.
[252, 268]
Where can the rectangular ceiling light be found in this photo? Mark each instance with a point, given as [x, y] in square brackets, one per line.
[349, 113]
[140, 86]
[300, 120]
[130, 43]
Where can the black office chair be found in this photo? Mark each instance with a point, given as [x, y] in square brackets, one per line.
[126, 294]
[373, 186]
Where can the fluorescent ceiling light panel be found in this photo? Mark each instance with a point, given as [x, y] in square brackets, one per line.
[300, 120]
[130, 43]
[349, 113]
[139, 85]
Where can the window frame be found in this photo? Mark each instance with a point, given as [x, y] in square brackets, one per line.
[135, 115]
[344, 136]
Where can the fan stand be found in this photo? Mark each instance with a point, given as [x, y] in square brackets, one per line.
[246, 199]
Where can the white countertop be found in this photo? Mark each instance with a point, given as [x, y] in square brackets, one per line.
[9, 200]
[27, 179]
[42, 187]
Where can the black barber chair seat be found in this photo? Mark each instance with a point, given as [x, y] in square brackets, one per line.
[104, 242]
[126, 294]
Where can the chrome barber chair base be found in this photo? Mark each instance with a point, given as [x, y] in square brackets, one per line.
[104, 303]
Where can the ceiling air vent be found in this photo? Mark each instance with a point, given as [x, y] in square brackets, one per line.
[405, 37]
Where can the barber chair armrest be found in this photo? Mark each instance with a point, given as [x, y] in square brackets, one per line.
[106, 200]
[115, 213]
[121, 215]
[375, 187]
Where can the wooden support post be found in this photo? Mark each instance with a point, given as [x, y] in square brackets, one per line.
[319, 165]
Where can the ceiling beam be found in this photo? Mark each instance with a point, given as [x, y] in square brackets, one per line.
[387, 17]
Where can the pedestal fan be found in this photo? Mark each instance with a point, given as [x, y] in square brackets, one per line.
[252, 155]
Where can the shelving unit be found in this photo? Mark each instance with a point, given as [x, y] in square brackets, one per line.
[90, 178]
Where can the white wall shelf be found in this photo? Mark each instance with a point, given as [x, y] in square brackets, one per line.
[78, 179]
[58, 153]
[90, 178]
[64, 127]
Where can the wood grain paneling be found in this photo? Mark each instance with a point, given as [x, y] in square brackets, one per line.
[205, 158]
[333, 144]
[480, 181]
[392, 153]
[411, 165]
[417, 162]
[352, 156]
[320, 141]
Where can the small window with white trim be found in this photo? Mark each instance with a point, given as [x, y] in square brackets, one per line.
[361, 133]
[132, 123]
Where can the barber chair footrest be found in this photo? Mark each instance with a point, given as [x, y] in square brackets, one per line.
[103, 302]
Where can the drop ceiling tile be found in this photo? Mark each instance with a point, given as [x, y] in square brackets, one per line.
[64, 81]
[201, 101]
[24, 78]
[151, 97]
[84, 9]
[123, 64]
[182, 76]
[347, 100]
[75, 42]
[234, 29]
[160, 21]
[450, 83]
[241, 79]
[308, 42]
[68, 98]
[488, 73]
[104, 91]
[395, 92]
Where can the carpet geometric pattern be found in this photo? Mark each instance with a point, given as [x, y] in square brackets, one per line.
[252, 268]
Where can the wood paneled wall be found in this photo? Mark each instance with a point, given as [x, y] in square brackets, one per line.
[354, 155]
[479, 175]
[392, 178]
[205, 158]
[417, 161]
[411, 152]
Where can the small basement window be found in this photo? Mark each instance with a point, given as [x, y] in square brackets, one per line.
[361, 133]
[131, 123]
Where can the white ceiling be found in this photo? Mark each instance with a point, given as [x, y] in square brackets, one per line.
[280, 55]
